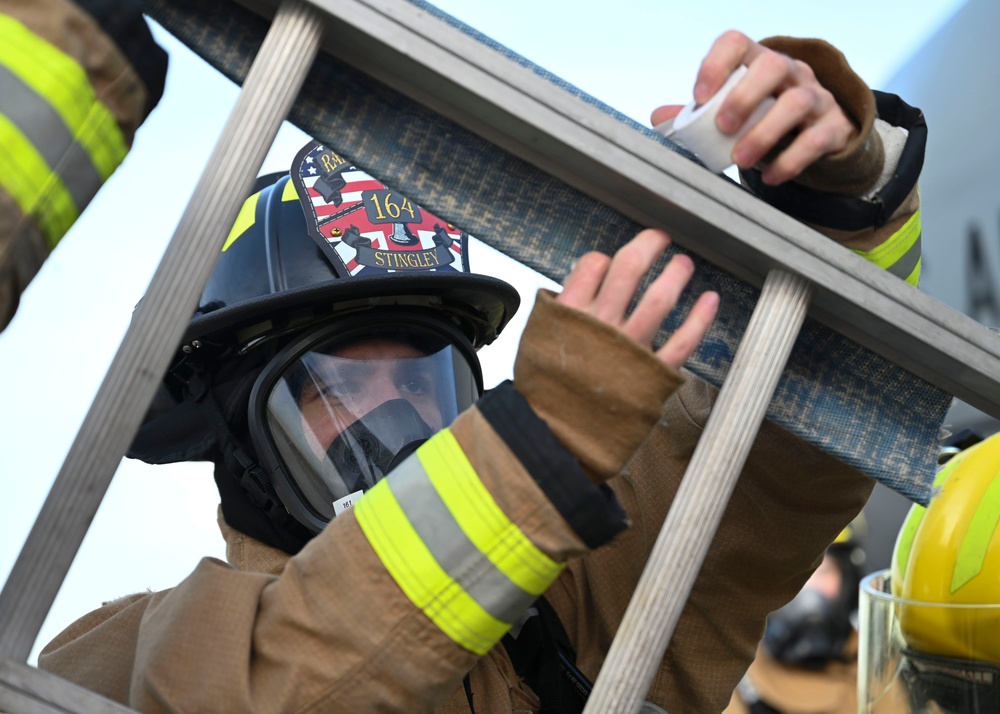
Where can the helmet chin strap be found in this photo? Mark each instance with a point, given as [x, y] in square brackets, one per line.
[376, 443]
[253, 480]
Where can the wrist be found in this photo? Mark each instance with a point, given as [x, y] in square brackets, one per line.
[856, 168]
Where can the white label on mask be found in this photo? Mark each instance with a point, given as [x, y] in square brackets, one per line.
[342, 504]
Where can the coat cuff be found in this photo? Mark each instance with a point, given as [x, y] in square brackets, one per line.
[855, 213]
[591, 510]
[854, 170]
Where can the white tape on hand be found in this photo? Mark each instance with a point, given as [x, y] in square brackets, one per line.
[695, 130]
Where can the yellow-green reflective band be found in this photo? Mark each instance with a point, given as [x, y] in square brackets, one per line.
[900, 255]
[57, 78]
[419, 576]
[915, 516]
[44, 129]
[976, 543]
[501, 598]
[36, 190]
[437, 564]
[245, 219]
[288, 193]
[481, 519]
[904, 541]
[914, 277]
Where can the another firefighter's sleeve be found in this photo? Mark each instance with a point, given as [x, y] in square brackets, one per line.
[76, 81]
[865, 196]
[391, 605]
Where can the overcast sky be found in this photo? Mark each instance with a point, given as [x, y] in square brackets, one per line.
[157, 521]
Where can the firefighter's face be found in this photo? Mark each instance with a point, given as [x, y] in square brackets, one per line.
[353, 380]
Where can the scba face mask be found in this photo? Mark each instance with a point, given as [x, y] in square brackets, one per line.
[810, 631]
[337, 410]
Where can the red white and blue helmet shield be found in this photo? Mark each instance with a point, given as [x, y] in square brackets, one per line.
[364, 226]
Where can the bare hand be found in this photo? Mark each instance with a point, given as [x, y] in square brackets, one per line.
[802, 103]
[604, 288]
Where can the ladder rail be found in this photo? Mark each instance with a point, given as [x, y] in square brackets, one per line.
[157, 325]
[27, 690]
[701, 500]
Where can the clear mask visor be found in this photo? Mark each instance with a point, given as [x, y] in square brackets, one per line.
[341, 416]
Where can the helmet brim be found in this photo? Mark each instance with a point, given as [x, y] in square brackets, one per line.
[482, 304]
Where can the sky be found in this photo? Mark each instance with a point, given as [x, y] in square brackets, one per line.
[157, 522]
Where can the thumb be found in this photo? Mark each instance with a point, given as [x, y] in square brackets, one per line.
[662, 114]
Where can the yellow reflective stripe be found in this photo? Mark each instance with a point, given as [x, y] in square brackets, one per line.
[38, 191]
[64, 84]
[914, 277]
[419, 576]
[465, 563]
[288, 193]
[904, 543]
[899, 243]
[103, 140]
[900, 254]
[246, 218]
[908, 531]
[976, 544]
[450, 547]
[481, 519]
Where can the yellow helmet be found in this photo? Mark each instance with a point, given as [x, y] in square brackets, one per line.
[949, 553]
[854, 534]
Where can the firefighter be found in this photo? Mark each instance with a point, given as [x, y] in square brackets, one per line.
[945, 583]
[77, 79]
[397, 542]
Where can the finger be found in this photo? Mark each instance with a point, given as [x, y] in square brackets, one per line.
[792, 109]
[728, 52]
[584, 280]
[659, 300]
[767, 74]
[665, 113]
[685, 340]
[828, 136]
[628, 267]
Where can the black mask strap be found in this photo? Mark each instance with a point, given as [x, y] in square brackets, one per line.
[253, 480]
[251, 477]
[376, 443]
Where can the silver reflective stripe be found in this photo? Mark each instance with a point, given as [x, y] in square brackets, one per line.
[454, 552]
[50, 136]
[908, 261]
